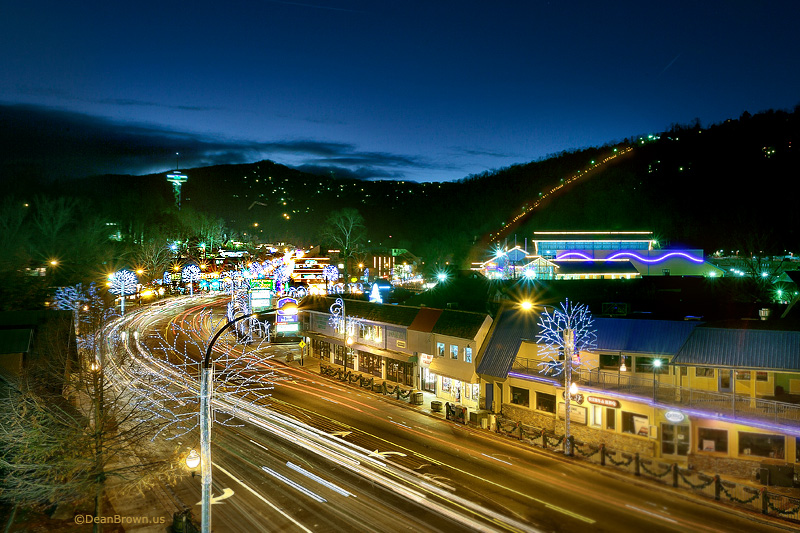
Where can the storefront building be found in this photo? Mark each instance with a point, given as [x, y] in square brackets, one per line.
[420, 348]
[682, 411]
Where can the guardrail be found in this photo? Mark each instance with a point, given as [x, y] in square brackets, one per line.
[712, 486]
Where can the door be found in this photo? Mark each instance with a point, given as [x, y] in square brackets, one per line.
[489, 395]
[725, 380]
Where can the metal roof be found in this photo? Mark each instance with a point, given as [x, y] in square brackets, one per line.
[509, 328]
[741, 348]
[663, 337]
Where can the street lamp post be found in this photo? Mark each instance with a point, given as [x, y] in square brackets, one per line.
[656, 366]
[206, 380]
[569, 348]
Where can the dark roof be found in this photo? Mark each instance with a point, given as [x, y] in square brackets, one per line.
[425, 320]
[595, 267]
[461, 324]
[741, 348]
[509, 328]
[642, 336]
[373, 312]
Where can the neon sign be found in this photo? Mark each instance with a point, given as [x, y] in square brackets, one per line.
[638, 257]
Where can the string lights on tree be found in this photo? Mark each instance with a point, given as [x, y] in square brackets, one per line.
[123, 283]
[564, 333]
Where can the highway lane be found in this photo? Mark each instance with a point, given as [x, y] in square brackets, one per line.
[496, 474]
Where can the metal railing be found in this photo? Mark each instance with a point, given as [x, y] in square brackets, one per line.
[722, 403]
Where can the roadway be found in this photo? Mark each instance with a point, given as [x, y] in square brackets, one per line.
[426, 474]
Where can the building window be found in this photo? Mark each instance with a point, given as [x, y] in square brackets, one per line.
[703, 372]
[520, 396]
[610, 361]
[370, 363]
[743, 375]
[440, 349]
[468, 354]
[712, 440]
[761, 376]
[339, 354]
[761, 445]
[645, 365]
[453, 351]
[546, 402]
[611, 418]
[399, 372]
[635, 424]
[445, 384]
[597, 415]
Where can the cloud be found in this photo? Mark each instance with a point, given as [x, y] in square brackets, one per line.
[52, 143]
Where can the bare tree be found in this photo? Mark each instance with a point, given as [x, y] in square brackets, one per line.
[345, 229]
[66, 429]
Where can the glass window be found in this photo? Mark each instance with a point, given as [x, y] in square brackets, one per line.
[761, 445]
[761, 376]
[445, 384]
[597, 415]
[712, 440]
[546, 402]
[645, 364]
[635, 424]
[611, 418]
[453, 351]
[440, 349]
[743, 375]
[610, 361]
[520, 396]
[703, 372]
[468, 354]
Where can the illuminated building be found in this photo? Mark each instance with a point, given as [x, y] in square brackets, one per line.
[722, 400]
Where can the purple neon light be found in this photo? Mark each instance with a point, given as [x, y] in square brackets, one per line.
[638, 257]
[789, 430]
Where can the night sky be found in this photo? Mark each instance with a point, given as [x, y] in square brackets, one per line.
[426, 91]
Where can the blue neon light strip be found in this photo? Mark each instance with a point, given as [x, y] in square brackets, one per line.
[638, 257]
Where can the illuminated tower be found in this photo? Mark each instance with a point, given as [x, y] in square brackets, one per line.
[177, 178]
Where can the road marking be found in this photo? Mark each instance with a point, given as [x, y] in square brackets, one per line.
[376, 453]
[496, 459]
[321, 481]
[260, 497]
[258, 444]
[311, 494]
[226, 493]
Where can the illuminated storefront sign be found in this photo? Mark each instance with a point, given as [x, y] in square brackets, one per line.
[674, 416]
[608, 402]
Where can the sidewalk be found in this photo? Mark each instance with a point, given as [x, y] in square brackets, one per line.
[313, 365]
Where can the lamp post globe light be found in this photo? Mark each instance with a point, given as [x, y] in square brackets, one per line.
[656, 368]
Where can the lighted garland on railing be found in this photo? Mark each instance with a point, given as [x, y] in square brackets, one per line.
[593, 450]
[558, 441]
[619, 463]
[778, 510]
[696, 486]
[643, 466]
[733, 498]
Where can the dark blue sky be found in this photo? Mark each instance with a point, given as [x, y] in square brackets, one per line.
[426, 91]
